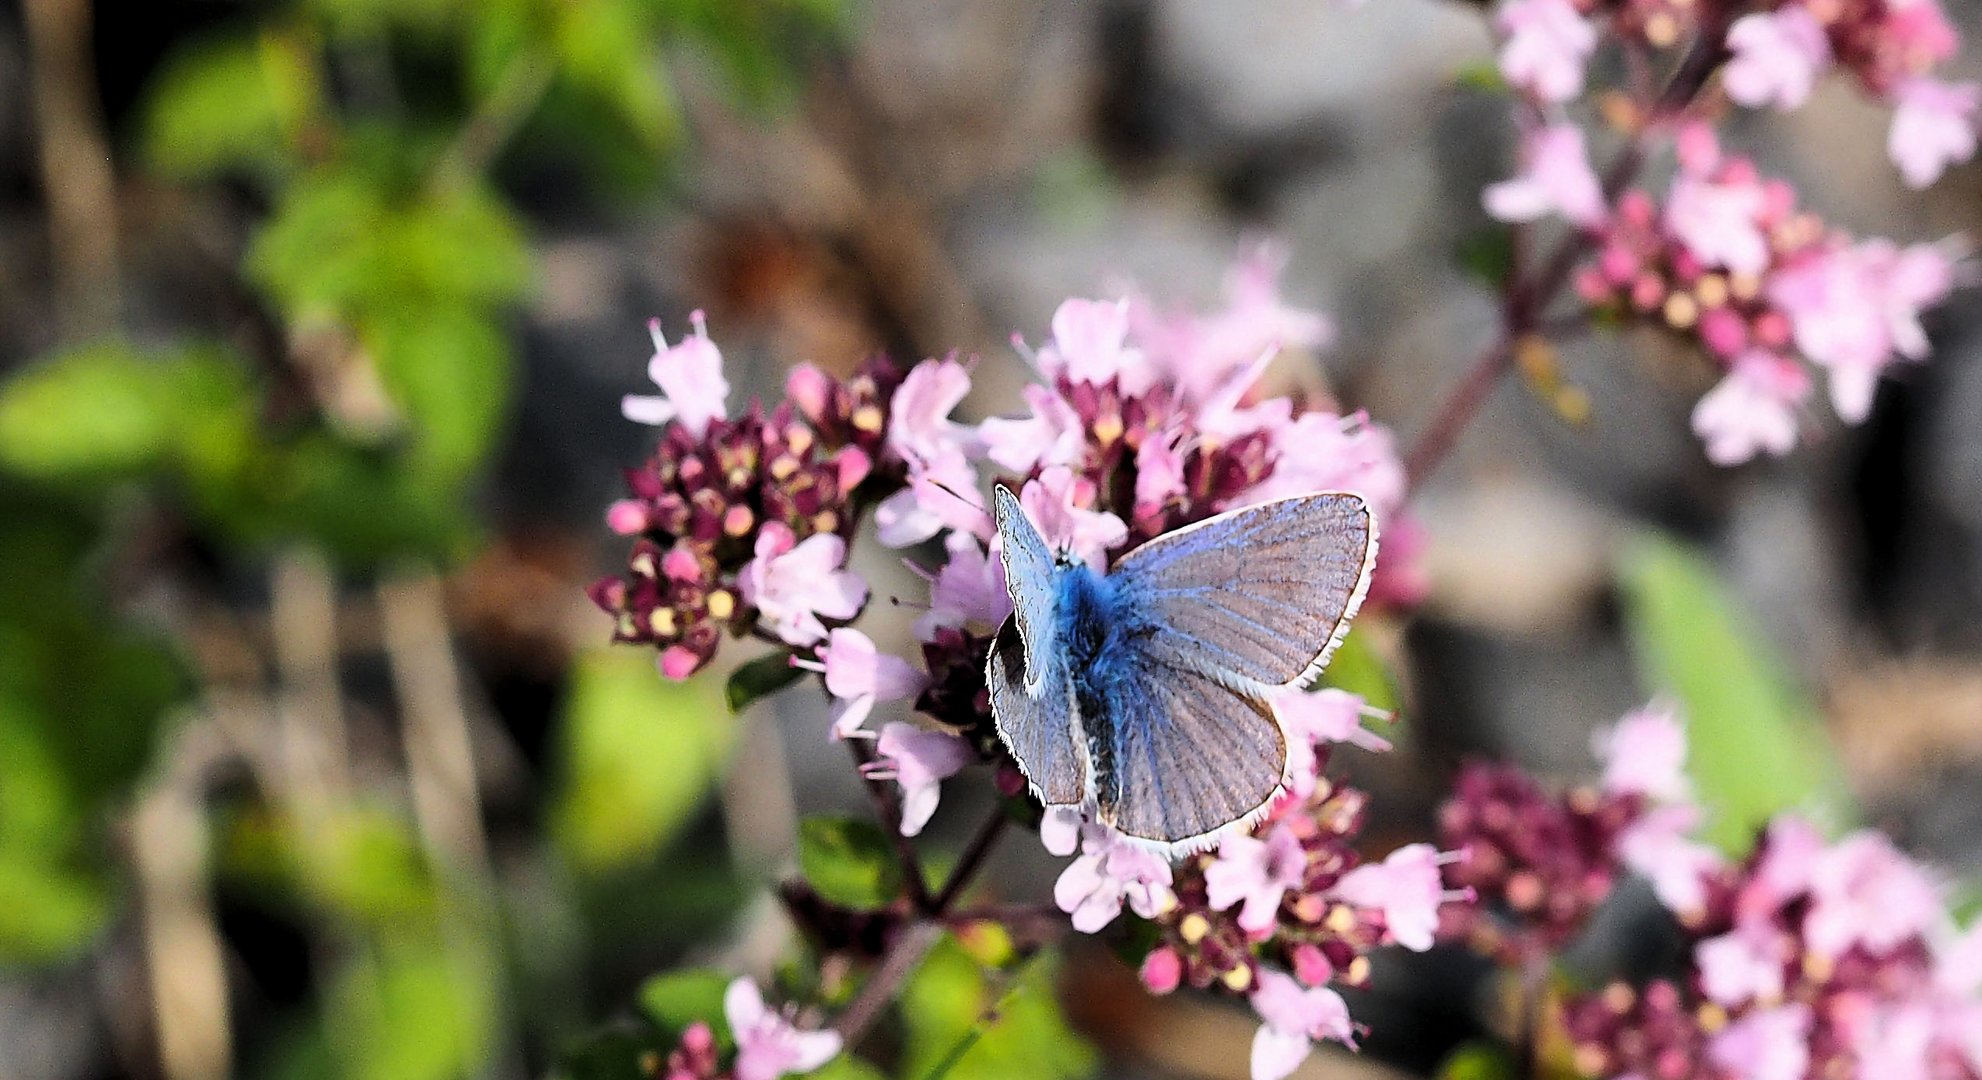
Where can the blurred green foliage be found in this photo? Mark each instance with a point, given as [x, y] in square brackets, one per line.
[1013, 1025]
[639, 756]
[849, 861]
[1756, 746]
[368, 145]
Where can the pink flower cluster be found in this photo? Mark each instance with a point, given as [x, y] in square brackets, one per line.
[1277, 914]
[1818, 959]
[1775, 53]
[1732, 262]
[1725, 256]
[1541, 864]
[1147, 419]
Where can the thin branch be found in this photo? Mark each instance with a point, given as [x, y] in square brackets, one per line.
[911, 944]
[518, 89]
[972, 859]
[76, 176]
[184, 960]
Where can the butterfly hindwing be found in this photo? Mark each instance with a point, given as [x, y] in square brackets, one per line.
[1255, 597]
[1038, 725]
[1191, 756]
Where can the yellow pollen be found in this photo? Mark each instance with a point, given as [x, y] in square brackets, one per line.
[643, 564]
[1745, 286]
[1681, 311]
[1341, 919]
[1359, 971]
[1712, 1017]
[799, 440]
[721, 604]
[1237, 979]
[1193, 928]
[738, 521]
[783, 466]
[1107, 429]
[1712, 291]
[661, 622]
[867, 418]
[825, 521]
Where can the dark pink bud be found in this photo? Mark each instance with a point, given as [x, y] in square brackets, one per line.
[1310, 966]
[681, 565]
[1162, 970]
[678, 663]
[1724, 332]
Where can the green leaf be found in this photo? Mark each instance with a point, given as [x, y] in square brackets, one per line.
[416, 1012]
[224, 105]
[353, 240]
[1756, 747]
[1479, 1061]
[676, 999]
[47, 911]
[606, 47]
[846, 1067]
[1357, 668]
[106, 411]
[1487, 254]
[849, 861]
[760, 678]
[449, 369]
[1019, 1029]
[639, 754]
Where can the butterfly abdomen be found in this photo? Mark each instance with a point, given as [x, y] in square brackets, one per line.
[1096, 632]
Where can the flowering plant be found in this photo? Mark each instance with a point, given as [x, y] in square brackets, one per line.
[1143, 420]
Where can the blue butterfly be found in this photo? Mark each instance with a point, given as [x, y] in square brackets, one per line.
[1142, 695]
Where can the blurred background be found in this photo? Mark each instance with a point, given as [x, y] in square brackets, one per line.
[314, 320]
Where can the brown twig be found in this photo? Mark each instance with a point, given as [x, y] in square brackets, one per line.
[972, 859]
[76, 176]
[911, 944]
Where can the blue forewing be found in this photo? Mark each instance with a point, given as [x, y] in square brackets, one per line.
[1142, 694]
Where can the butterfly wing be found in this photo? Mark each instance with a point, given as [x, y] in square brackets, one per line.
[1029, 580]
[1032, 695]
[1191, 756]
[1038, 725]
[1256, 597]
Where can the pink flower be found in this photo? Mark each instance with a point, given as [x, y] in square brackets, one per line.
[1852, 307]
[941, 494]
[1112, 869]
[1060, 830]
[1257, 873]
[1407, 887]
[1777, 57]
[1864, 891]
[1320, 451]
[1051, 435]
[1790, 850]
[919, 424]
[1555, 178]
[1753, 410]
[1294, 1017]
[1645, 754]
[1898, 1042]
[690, 375]
[968, 588]
[1202, 354]
[1719, 221]
[1933, 127]
[1958, 961]
[1768, 1044]
[1658, 847]
[792, 585]
[1090, 346]
[1743, 965]
[919, 761]
[1546, 45]
[860, 675]
[1330, 715]
[768, 1044]
[1058, 503]
[1162, 970]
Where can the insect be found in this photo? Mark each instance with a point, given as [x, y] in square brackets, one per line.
[1142, 695]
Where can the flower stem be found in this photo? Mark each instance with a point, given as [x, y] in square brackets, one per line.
[911, 944]
[973, 859]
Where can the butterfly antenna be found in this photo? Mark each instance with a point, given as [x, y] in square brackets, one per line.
[954, 494]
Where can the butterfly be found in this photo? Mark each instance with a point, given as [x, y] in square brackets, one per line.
[1142, 696]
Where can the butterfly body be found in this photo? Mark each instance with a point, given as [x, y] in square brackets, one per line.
[1140, 695]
